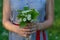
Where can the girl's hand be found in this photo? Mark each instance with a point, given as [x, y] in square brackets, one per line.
[33, 27]
[24, 32]
[29, 29]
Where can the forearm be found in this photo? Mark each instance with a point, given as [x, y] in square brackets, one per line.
[45, 25]
[6, 16]
[49, 16]
[11, 27]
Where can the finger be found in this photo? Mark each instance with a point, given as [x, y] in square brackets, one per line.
[33, 26]
[28, 33]
[28, 27]
[33, 29]
[23, 34]
[25, 29]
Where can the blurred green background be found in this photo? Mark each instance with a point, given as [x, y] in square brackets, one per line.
[53, 32]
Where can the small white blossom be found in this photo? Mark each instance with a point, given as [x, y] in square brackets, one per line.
[26, 11]
[4, 34]
[36, 11]
[50, 34]
[20, 19]
[24, 19]
[32, 20]
[56, 37]
[29, 18]
[29, 15]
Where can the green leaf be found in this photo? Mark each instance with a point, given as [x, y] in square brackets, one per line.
[23, 24]
[34, 14]
[19, 16]
[19, 11]
[26, 8]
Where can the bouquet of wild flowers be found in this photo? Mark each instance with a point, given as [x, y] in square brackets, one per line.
[26, 16]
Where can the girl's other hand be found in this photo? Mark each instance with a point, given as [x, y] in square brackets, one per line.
[32, 26]
[24, 32]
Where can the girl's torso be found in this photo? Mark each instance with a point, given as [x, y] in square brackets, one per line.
[19, 4]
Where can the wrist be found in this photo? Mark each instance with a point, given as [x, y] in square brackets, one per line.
[17, 29]
[39, 26]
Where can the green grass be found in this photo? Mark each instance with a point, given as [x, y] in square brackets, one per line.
[3, 32]
[53, 32]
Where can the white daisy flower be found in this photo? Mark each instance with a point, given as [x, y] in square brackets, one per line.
[32, 20]
[28, 18]
[26, 11]
[29, 15]
[56, 37]
[20, 19]
[24, 19]
[50, 34]
[36, 11]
